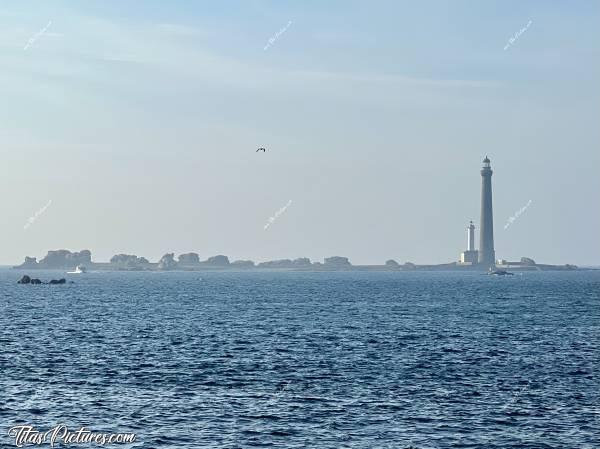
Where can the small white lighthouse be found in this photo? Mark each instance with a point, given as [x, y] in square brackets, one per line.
[471, 255]
[471, 237]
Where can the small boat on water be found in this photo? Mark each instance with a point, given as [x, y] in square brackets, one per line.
[500, 273]
[78, 270]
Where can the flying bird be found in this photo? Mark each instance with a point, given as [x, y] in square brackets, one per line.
[261, 149]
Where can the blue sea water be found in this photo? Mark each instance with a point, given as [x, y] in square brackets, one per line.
[306, 360]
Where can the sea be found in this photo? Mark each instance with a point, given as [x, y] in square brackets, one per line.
[268, 359]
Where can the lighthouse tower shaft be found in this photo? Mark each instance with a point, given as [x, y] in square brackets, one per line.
[487, 255]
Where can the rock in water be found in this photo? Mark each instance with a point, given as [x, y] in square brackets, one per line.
[24, 280]
[27, 280]
[59, 281]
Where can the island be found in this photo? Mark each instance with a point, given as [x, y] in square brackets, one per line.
[66, 260]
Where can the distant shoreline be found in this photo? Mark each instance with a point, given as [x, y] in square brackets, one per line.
[355, 268]
[66, 260]
[372, 268]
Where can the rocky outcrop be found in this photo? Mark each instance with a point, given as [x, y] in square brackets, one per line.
[30, 262]
[392, 263]
[527, 261]
[189, 259]
[24, 280]
[58, 281]
[167, 262]
[128, 261]
[301, 262]
[63, 258]
[218, 261]
[281, 263]
[58, 260]
[286, 263]
[337, 261]
[34, 281]
[242, 264]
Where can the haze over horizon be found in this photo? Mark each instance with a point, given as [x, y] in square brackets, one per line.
[139, 123]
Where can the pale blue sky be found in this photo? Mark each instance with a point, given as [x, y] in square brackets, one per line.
[140, 121]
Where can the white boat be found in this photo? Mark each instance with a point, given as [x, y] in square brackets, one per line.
[78, 270]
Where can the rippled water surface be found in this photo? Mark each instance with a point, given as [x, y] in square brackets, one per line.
[306, 360]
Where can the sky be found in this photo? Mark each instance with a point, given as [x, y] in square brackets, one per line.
[132, 127]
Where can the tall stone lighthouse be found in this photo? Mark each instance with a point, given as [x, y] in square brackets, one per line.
[487, 255]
